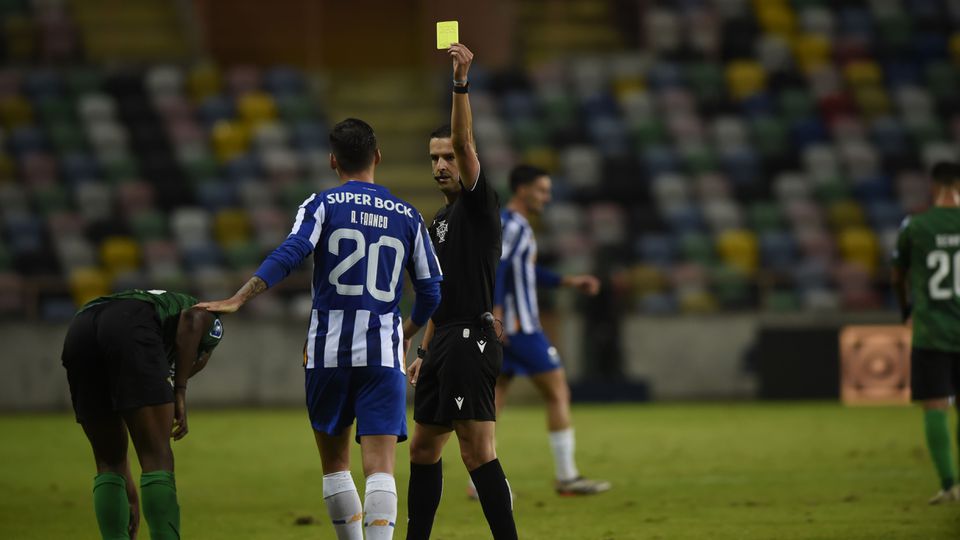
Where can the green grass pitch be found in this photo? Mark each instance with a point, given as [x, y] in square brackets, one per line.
[737, 471]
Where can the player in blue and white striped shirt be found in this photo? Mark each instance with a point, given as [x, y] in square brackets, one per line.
[526, 349]
[362, 238]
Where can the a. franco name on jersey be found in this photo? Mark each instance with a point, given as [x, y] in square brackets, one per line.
[365, 199]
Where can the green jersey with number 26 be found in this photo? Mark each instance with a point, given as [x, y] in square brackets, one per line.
[928, 248]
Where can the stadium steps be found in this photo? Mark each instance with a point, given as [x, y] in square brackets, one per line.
[557, 29]
[401, 107]
[124, 31]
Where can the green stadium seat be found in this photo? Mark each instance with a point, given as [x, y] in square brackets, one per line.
[769, 136]
[149, 225]
[243, 255]
[698, 248]
[765, 216]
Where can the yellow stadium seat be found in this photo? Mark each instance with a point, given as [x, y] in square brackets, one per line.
[625, 86]
[811, 51]
[738, 248]
[745, 78]
[7, 168]
[859, 245]
[845, 214]
[231, 227]
[646, 279]
[544, 157]
[230, 139]
[87, 284]
[955, 48]
[15, 111]
[203, 82]
[256, 108]
[862, 73]
[776, 18]
[697, 302]
[873, 101]
[120, 254]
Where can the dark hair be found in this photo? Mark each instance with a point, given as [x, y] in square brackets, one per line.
[442, 132]
[522, 175]
[945, 172]
[354, 145]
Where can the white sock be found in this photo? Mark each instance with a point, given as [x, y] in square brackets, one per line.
[380, 506]
[343, 505]
[562, 444]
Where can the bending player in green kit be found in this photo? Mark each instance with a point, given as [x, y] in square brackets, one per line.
[119, 353]
[928, 255]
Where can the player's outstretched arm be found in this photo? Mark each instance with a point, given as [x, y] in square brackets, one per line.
[250, 289]
[461, 119]
[584, 283]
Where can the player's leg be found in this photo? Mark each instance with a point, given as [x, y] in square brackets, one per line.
[503, 387]
[426, 476]
[555, 391]
[381, 422]
[931, 386]
[478, 451]
[339, 491]
[380, 495]
[114, 494]
[150, 432]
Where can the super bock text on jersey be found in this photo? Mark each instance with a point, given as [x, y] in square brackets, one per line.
[362, 238]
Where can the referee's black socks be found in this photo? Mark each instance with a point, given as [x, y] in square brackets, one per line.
[495, 498]
[423, 498]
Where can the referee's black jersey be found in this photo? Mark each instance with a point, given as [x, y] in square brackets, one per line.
[466, 237]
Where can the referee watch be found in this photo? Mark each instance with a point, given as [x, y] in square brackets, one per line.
[421, 353]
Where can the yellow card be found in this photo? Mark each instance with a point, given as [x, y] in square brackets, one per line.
[447, 34]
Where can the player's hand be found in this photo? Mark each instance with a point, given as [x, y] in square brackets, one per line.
[585, 283]
[180, 415]
[413, 371]
[230, 305]
[462, 58]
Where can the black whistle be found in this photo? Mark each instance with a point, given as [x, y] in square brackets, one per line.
[486, 319]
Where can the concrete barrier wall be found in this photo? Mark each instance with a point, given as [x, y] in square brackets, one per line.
[260, 363]
[690, 357]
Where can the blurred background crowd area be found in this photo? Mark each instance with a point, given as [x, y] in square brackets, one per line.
[707, 156]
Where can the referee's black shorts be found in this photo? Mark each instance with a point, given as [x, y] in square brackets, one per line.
[115, 359]
[934, 374]
[458, 377]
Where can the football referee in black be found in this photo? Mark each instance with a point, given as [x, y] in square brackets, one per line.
[456, 368]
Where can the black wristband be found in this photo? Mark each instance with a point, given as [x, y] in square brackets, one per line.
[465, 89]
[421, 353]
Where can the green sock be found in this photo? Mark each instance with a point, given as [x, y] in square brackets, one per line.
[111, 505]
[938, 441]
[159, 494]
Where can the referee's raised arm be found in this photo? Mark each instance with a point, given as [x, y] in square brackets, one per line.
[461, 118]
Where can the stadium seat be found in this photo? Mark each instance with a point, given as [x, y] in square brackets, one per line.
[230, 140]
[119, 255]
[738, 249]
[87, 284]
[859, 245]
[231, 226]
